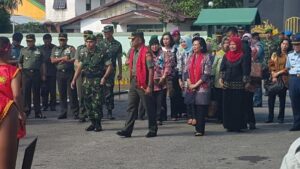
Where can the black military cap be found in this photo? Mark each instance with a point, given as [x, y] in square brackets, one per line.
[47, 36]
[17, 36]
[30, 37]
[87, 32]
[296, 40]
[90, 38]
[136, 34]
[108, 28]
[63, 36]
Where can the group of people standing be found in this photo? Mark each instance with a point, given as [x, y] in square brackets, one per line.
[190, 70]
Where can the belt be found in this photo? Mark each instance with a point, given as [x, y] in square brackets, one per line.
[64, 70]
[31, 70]
[295, 75]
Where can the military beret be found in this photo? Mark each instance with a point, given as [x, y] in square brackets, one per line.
[108, 28]
[63, 36]
[90, 38]
[30, 37]
[136, 34]
[87, 32]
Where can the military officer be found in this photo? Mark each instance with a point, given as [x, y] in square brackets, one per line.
[114, 49]
[99, 37]
[63, 57]
[95, 67]
[82, 113]
[48, 86]
[32, 64]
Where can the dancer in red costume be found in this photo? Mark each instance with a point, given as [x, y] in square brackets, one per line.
[12, 118]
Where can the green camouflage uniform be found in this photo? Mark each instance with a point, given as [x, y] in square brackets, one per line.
[114, 51]
[82, 113]
[93, 68]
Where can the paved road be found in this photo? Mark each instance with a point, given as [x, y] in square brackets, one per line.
[63, 144]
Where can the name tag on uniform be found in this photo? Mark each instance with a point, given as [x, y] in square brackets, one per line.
[37, 52]
[67, 51]
[56, 53]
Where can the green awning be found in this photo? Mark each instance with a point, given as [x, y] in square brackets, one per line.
[228, 16]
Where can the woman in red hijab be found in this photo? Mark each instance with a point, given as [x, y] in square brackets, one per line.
[12, 117]
[199, 70]
[235, 70]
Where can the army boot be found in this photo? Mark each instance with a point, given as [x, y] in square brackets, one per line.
[91, 127]
[98, 126]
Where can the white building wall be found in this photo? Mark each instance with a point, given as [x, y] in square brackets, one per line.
[80, 7]
[59, 15]
[93, 24]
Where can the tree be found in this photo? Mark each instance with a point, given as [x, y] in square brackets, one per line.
[10, 5]
[192, 8]
[6, 8]
[5, 25]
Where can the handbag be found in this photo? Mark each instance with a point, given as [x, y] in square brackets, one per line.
[276, 87]
[256, 70]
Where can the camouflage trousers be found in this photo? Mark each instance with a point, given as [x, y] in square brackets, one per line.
[92, 97]
[109, 92]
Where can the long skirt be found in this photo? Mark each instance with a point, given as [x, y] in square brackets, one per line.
[234, 109]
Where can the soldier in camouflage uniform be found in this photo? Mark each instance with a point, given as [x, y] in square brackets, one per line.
[82, 113]
[99, 37]
[63, 57]
[270, 46]
[95, 67]
[114, 51]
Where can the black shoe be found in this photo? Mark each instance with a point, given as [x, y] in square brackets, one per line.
[62, 116]
[82, 120]
[45, 108]
[52, 109]
[280, 121]
[269, 121]
[90, 128]
[98, 126]
[151, 134]
[110, 117]
[295, 129]
[123, 133]
[252, 126]
[39, 116]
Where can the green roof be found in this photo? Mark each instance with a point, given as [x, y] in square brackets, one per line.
[228, 16]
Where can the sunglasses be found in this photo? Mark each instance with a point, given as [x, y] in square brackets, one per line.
[62, 39]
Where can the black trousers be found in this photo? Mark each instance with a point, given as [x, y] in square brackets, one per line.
[250, 117]
[158, 96]
[136, 95]
[200, 113]
[271, 104]
[64, 87]
[190, 108]
[176, 99]
[218, 96]
[294, 91]
[31, 82]
[49, 89]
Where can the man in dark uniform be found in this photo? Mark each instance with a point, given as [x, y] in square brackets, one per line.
[82, 113]
[293, 66]
[63, 57]
[95, 66]
[114, 49]
[32, 64]
[48, 86]
[16, 48]
[141, 86]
